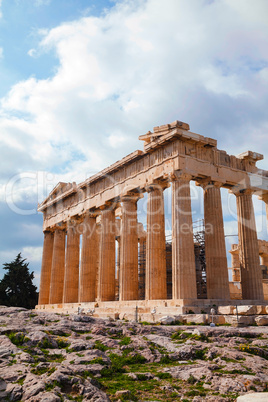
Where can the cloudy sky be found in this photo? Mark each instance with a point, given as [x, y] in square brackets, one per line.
[80, 80]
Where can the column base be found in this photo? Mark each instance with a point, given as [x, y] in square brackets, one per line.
[194, 311]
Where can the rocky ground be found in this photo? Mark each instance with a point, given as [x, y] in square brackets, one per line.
[50, 357]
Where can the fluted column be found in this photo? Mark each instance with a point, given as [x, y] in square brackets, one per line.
[216, 259]
[264, 197]
[235, 263]
[71, 278]
[89, 260]
[128, 279]
[183, 258]
[58, 267]
[118, 266]
[251, 276]
[106, 278]
[155, 280]
[142, 268]
[46, 268]
[98, 242]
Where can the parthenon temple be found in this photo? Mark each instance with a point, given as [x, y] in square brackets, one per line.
[97, 255]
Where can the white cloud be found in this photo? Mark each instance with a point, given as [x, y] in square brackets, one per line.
[32, 53]
[32, 254]
[141, 64]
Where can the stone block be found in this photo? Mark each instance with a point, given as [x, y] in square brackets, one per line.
[245, 320]
[261, 320]
[195, 318]
[250, 310]
[219, 319]
[253, 396]
[167, 320]
[246, 310]
[226, 310]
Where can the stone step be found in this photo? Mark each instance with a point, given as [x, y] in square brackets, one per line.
[253, 396]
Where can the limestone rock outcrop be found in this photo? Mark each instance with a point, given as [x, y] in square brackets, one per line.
[51, 357]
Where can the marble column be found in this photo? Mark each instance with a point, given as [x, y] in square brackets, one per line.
[128, 280]
[71, 278]
[58, 267]
[106, 277]
[235, 263]
[251, 276]
[264, 198]
[155, 280]
[98, 242]
[142, 268]
[216, 259]
[89, 260]
[46, 267]
[183, 258]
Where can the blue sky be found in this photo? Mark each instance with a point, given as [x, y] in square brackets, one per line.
[20, 31]
[81, 80]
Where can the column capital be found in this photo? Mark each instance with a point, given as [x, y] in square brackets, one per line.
[60, 226]
[180, 175]
[239, 192]
[131, 197]
[208, 182]
[48, 230]
[73, 221]
[110, 205]
[157, 185]
[90, 213]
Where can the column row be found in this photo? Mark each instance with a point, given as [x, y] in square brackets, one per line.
[62, 281]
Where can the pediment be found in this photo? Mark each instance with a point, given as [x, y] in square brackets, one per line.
[57, 191]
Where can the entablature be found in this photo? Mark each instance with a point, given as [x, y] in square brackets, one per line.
[173, 148]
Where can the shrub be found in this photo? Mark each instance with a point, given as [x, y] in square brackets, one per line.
[166, 360]
[141, 377]
[45, 344]
[200, 354]
[62, 344]
[16, 338]
[164, 376]
[191, 379]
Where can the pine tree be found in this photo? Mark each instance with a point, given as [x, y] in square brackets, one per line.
[16, 287]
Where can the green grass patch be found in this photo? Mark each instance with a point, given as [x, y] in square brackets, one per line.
[52, 385]
[100, 346]
[164, 376]
[82, 331]
[184, 336]
[166, 360]
[125, 341]
[16, 338]
[20, 381]
[118, 363]
[62, 343]
[257, 351]
[43, 370]
[45, 344]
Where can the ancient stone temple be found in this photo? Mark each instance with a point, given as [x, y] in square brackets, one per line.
[235, 285]
[97, 255]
